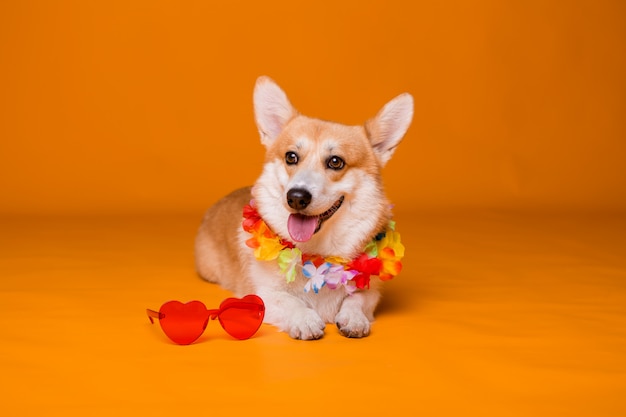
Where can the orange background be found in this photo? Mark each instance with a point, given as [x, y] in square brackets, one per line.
[121, 121]
[119, 106]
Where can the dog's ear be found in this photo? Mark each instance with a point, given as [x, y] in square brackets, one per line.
[272, 109]
[387, 129]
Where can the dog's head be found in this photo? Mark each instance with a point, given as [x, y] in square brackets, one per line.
[319, 173]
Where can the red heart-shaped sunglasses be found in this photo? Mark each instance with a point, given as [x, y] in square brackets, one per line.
[184, 323]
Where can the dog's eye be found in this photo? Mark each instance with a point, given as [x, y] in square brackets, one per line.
[335, 162]
[291, 158]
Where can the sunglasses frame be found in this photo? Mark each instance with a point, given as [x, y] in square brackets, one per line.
[249, 303]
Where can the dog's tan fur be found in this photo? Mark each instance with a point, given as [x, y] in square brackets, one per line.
[221, 254]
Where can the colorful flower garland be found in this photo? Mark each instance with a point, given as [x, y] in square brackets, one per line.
[381, 257]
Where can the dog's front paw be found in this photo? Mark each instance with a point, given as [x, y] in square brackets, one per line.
[352, 324]
[306, 325]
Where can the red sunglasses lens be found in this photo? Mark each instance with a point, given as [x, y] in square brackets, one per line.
[183, 323]
[241, 318]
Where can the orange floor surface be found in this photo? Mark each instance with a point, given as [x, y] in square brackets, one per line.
[494, 315]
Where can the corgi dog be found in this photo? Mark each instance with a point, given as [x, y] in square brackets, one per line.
[314, 236]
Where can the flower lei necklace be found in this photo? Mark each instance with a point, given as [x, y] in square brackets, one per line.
[381, 257]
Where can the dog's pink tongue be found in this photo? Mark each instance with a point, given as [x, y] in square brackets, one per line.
[300, 227]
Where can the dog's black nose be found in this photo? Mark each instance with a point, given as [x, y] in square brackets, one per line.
[298, 198]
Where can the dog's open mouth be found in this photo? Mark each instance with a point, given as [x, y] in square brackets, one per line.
[302, 228]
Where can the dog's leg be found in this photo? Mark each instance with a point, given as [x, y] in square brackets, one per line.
[356, 313]
[291, 315]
